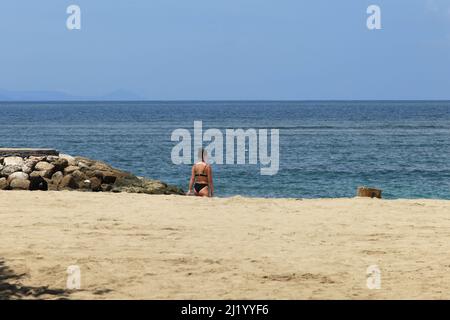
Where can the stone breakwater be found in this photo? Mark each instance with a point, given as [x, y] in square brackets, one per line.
[64, 172]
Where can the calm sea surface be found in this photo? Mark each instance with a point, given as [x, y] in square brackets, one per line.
[327, 149]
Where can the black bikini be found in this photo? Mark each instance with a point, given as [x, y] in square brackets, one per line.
[199, 186]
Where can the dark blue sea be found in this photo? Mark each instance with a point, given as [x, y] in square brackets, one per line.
[327, 149]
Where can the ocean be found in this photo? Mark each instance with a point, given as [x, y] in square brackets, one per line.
[327, 148]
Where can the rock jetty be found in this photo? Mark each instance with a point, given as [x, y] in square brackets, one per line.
[24, 169]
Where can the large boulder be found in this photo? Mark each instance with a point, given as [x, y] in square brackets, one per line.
[51, 159]
[43, 165]
[68, 182]
[101, 166]
[36, 159]
[35, 174]
[29, 165]
[37, 182]
[99, 174]
[3, 183]
[70, 159]
[10, 169]
[133, 184]
[109, 177]
[71, 169]
[47, 169]
[85, 185]
[57, 178]
[50, 185]
[31, 162]
[27, 169]
[106, 187]
[20, 184]
[83, 165]
[96, 184]
[13, 161]
[17, 175]
[79, 177]
[60, 164]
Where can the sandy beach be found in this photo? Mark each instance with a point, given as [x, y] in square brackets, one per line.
[133, 246]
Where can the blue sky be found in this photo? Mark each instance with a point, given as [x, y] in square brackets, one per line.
[228, 49]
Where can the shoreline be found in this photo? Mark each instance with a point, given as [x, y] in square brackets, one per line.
[138, 246]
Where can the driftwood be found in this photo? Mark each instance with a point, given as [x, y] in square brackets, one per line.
[369, 192]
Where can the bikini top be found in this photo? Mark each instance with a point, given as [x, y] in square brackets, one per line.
[203, 174]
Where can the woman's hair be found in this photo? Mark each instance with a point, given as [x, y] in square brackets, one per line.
[202, 154]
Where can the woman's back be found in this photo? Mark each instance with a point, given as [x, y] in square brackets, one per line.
[201, 177]
[201, 172]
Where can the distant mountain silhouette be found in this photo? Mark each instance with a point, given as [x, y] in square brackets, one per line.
[6, 95]
[121, 95]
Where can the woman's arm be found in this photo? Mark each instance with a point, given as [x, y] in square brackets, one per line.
[191, 181]
[210, 182]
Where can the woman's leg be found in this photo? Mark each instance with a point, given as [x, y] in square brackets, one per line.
[204, 192]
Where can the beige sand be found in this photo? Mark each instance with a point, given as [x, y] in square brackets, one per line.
[131, 246]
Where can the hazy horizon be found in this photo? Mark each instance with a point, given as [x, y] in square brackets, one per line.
[222, 100]
[165, 50]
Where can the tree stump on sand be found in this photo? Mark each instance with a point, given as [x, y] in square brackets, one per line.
[369, 192]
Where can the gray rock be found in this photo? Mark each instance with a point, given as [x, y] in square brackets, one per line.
[10, 169]
[70, 159]
[133, 184]
[30, 163]
[57, 178]
[36, 174]
[13, 161]
[83, 165]
[17, 175]
[71, 169]
[98, 174]
[96, 184]
[106, 187]
[50, 185]
[60, 164]
[35, 159]
[109, 177]
[79, 176]
[46, 168]
[68, 182]
[85, 184]
[85, 161]
[51, 159]
[20, 184]
[27, 169]
[43, 166]
[3, 183]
